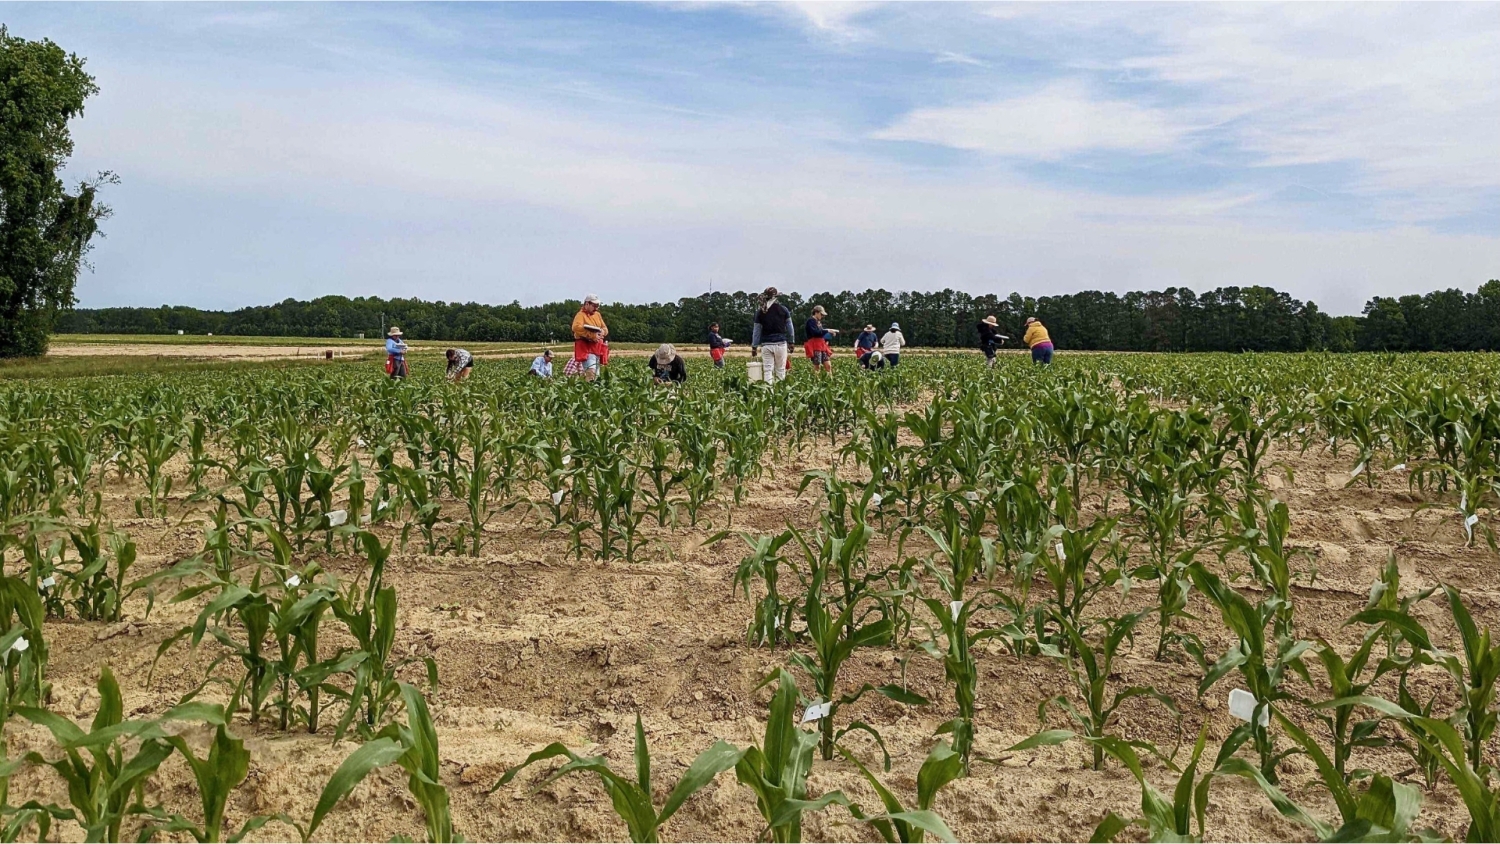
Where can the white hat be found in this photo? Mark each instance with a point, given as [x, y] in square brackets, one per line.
[591, 299]
[1030, 320]
[895, 326]
[394, 332]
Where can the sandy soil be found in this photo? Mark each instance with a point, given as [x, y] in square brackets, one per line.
[534, 646]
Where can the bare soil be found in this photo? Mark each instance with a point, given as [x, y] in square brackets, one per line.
[535, 646]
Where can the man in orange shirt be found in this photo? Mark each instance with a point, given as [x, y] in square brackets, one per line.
[590, 351]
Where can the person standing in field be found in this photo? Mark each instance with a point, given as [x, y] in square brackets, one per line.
[395, 354]
[717, 345]
[864, 345]
[1039, 341]
[990, 338]
[590, 340]
[890, 345]
[816, 342]
[541, 367]
[460, 364]
[667, 367]
[772, 337]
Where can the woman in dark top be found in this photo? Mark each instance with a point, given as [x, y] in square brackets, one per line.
[816, 341]
[667, 366]
[716, 345]
[990, 337]
[772, 337]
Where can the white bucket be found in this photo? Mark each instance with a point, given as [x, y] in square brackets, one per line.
[753, 370]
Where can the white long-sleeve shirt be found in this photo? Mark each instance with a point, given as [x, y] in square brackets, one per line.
[892, 342]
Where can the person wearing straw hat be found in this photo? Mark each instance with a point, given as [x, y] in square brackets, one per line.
[990, 338]
[890, 345]
[1039, 341]
[864, 345]
[395, 354]
[667, 367]
[816, 344]
[590, 340]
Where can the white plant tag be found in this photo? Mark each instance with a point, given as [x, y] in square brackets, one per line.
[1471, 521]
[971, 495]
[567, 458]
[1301, 430]
[1358, 470]
[1242, 706]
[337, 517]
[955, 607]
[817, 712]
[1061, 555]
[1463, 501]
[557, 497]
[1399, 467]
[48, 582]
[293, 582]
[20, 645]
[875, 500]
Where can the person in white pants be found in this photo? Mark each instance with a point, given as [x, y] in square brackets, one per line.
[772, 336]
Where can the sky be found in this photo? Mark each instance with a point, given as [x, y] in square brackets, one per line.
[646, 152]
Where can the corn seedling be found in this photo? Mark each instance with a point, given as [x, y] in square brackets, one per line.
[777, 770]
[911, 826]
[633, 800]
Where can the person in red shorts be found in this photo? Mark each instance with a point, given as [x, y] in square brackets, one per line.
[816, 344]
[716, 345]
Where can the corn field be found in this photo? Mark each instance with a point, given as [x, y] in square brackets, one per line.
[1124, 597]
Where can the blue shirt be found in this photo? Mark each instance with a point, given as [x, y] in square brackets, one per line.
[541, 367]
[815, 328]
[395, 347]
[866, 340]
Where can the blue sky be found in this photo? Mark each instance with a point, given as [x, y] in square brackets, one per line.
[641, 151]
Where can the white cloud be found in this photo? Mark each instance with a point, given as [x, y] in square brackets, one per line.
[950, 57]
[1057, 121]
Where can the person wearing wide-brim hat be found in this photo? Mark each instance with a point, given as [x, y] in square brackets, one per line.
[1039, 341]
[590, 340]
[864, 345]
[890, 345]
[990, 337]
[395, 354]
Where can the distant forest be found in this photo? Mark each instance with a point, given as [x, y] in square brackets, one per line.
[1229, 319]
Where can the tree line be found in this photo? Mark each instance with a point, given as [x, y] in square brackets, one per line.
[1227, 319]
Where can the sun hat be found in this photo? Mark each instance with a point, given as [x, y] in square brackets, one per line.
[394, 332]
[819, 309]
[869, 327]
[1030, 320]
[895, 326]
[546, 353]
[591, 299]
[990, 320]
[664, 354]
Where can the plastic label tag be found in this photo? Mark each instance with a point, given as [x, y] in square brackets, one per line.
[566, 459]
[557, 497]
[971, 495]
[1399, 467]
[1242, 706]
[1357, 471]
[20, 645]
[817, 712]
[955, 607]
[47, 583]
[1471, 521]
[1061, 555]
[875, 500]
[337, 517]
[293, 582]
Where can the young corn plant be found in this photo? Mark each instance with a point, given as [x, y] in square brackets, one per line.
[1090, 665]
[99, 586]
[633, 800]
[772, 623]
[221, 770]
[1262, 663]
[897, 824]
[834, 632]
[777, 770]
[413, 746]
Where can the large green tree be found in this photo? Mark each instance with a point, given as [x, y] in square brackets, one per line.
[45, 230]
